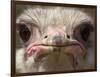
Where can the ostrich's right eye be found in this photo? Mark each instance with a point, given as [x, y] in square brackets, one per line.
[24, 32]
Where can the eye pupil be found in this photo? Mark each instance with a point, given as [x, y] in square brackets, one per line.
[24, 33]
[85, 34]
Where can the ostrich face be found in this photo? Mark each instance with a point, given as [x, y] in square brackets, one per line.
[55, 38]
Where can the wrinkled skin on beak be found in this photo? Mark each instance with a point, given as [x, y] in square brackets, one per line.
[55, 51]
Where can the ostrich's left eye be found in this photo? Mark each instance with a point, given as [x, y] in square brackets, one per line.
[83, 31]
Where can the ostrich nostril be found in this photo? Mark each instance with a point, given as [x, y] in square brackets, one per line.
[68, 36]
[46, 36]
